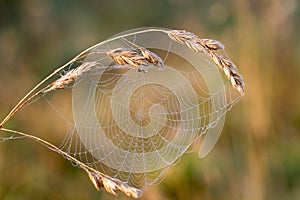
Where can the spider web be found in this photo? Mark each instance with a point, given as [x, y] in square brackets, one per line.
[132, 125]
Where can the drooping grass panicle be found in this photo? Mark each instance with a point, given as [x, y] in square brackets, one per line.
[210, 47]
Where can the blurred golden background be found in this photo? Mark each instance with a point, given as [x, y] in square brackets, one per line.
[258, 154]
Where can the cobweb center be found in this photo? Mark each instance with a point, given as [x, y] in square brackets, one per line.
[142, 117]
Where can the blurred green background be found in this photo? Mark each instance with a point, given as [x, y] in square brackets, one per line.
[258, 154]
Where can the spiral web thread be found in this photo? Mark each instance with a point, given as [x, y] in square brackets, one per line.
[132, 125]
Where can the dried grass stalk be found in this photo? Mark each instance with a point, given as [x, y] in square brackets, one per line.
[210, 47]
[139, 58]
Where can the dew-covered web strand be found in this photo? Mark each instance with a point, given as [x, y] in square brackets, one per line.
[11, 137]
[57, 111]
[72, 140]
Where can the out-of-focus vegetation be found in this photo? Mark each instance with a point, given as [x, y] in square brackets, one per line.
[258, 154]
